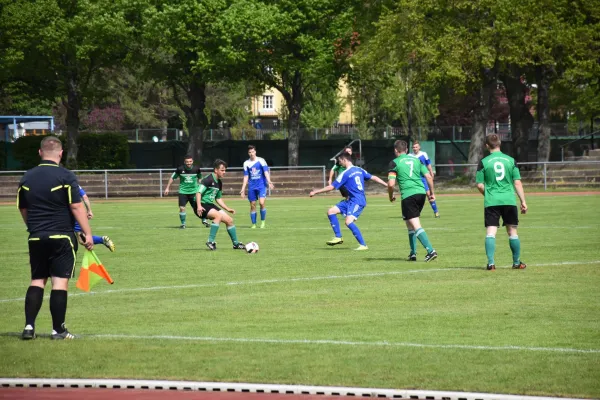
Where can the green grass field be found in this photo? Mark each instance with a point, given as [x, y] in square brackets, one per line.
[299, 312]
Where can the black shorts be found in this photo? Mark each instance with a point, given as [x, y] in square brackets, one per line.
[187, 198]
[344, 192]
[412, 206]
[509, 214]
[207, 207]
[52, 255]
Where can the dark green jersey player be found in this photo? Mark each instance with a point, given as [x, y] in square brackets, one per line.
[208, 199]
[189, 176]
[407, 171]
[497, 180]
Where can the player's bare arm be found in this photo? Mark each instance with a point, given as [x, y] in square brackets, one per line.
[222, 204]
[390, 187]
[199, 207]
[481, 188]
[429, 178]
[331, 173]
[80, 215]
[168, 186]
[244, 183]
[378, 180]
[327, 188]
[23, 214]
[88, 206]
[521, 193]
[268, 176]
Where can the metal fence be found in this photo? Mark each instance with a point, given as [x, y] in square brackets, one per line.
[152, 182]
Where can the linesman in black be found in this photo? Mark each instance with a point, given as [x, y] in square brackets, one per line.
[49, 202]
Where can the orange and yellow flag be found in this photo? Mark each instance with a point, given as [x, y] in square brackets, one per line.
[92, 272]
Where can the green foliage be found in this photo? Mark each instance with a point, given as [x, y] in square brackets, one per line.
[25, 150]
[103, 151]
[322, 108]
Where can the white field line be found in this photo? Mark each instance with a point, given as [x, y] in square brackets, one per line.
[305, 279]
[345, 343]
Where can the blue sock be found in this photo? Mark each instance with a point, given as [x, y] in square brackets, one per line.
[263, 214]
[434, 206]
[335, 224]
[253, 217]
[356, 233]
[98, 240]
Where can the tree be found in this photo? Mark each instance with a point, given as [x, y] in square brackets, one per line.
[59, 48]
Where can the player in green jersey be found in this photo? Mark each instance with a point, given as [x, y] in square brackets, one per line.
[209, 195]
[497, 179]
[407, 171]
[337, 169]
[189, 176]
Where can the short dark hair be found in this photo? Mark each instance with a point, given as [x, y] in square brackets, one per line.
[51, 143]
[493, 141]
[401, 146]
[188, 157]
[345, 156]
[347, 148]
[416, 142]
[251, 147]
[218, 162]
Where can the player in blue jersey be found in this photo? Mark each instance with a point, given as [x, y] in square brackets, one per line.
[258, 178]
[105, 240]
[424, 158]
[353, 179]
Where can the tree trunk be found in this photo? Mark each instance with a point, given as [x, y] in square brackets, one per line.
[542, 75]
[73, 105]
[521, 119]
[294, 104]
[481, 116]
[197, 121]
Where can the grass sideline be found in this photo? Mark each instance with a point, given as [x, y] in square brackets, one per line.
[299, 312]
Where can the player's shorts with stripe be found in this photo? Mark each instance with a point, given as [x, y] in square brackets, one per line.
[350, 209]
[412, 206]
[509, 214]
[425, 183]
[207, 207]
[187, 198]
[52, 254]
[257, 193]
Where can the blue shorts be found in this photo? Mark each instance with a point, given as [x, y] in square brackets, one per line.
[425, 183]
[255, 194]
[350, 209]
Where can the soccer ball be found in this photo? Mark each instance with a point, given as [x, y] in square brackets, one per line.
[252, 247]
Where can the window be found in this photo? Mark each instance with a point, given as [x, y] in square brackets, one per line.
[267, 102]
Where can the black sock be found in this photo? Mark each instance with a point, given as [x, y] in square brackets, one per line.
[58, 309]
[33, 303]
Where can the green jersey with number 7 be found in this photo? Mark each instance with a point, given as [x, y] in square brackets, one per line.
[498, 172]
[407, 171]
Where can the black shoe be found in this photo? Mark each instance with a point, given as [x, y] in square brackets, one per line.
[182, 226]
[519, 265]
[28, 333]
[431, 256]
[491, 267]
[239, 246]
[205, 223]
[412, 257]
[211, 245]
[64, 335]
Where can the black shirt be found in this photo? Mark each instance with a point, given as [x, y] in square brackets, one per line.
[47, 191]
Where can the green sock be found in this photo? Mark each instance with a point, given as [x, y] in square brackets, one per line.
[422, 236]
[515, 247]
[232, 234]
[214, 228]
[182, 218]
[412, 240]
[490, 248]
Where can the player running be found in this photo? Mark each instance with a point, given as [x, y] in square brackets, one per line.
[497, 179]
[105, 240]
[257, 177]
[424, 158]
[353, 179]
[209, 193]
[189, 176]
[407, 171]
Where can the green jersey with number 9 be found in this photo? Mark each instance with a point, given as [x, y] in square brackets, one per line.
[498, 172]
[407, 172]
